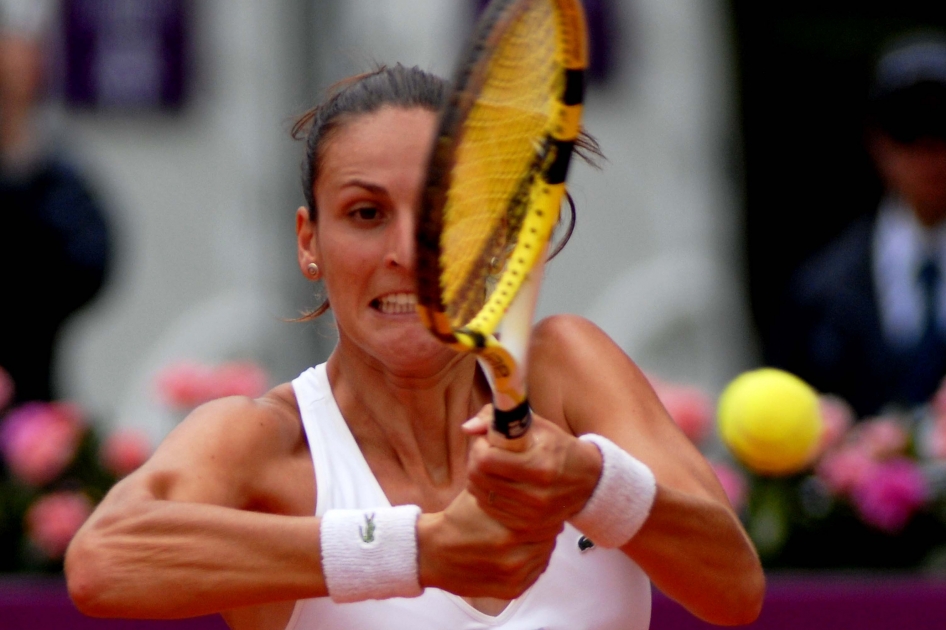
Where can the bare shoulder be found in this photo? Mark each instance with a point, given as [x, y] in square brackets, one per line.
[231, 443]
[570, 337]
[230, 426]
[580, 374]
[572, 357]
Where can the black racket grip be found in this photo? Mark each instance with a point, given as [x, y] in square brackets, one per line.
[513, 423]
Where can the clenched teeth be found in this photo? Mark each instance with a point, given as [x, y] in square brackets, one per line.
[397, 303]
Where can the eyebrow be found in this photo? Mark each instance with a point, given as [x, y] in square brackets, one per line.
[360, 183]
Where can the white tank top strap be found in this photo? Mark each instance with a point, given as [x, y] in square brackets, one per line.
[343, 477]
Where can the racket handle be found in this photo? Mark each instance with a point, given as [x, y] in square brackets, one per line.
[510, 428]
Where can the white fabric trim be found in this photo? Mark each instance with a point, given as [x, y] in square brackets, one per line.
[370, 553]
[621, 501]
[900, 244]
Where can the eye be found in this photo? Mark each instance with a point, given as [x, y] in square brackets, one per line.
[365, 213]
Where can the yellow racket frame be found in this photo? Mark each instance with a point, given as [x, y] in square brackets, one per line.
[544, 197]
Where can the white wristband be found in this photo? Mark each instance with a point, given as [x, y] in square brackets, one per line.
[370, 554]
[622, 499]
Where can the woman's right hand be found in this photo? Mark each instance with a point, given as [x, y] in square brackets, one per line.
[464, 551]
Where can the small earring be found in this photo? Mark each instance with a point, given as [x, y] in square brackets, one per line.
[313, 270]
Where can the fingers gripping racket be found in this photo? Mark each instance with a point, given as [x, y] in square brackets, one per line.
[494, 189]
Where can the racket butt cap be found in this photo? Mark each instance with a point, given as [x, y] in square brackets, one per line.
[513, 423]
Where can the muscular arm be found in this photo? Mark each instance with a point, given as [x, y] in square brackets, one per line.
[207, 525]
[692, 546]
[187, 534]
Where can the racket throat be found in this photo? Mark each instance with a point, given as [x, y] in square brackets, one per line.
[506, 381]
[515, 330]
[505, 363]
[511, 417]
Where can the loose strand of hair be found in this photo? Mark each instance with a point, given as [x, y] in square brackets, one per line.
[303, 123]
[589, 150]
[568, 232]
[308, 316]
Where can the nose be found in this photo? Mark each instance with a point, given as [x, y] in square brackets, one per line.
[401, 248]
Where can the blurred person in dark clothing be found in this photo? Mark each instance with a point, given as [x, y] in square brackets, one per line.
[866, 318]
[53, 236]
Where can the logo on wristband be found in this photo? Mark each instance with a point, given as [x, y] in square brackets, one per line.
[367, 532]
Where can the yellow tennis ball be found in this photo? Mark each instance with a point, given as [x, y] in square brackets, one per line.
[770, 420]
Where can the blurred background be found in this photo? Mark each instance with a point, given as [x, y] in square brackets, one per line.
[734, 133]
[176, 114]
[734, 137]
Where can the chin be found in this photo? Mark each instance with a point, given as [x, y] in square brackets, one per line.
[408, 348]
[422, 355]
[420, 352]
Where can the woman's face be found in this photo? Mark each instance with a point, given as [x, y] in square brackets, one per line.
[368, 194]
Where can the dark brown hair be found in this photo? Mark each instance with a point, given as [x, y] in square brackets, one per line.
[366, 93]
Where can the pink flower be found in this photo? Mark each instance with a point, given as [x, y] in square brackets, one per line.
[888, 496]
[733, 483]
[186, 385]
[837, 418]
[938, 403]
[7, 389]
[54, 519]
[845, 468]
[938, 438]
[689, 407]
[883, 437]
[240, 379]
[124, 451]
[38, 440]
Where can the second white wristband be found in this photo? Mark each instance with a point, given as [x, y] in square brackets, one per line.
[621, 501]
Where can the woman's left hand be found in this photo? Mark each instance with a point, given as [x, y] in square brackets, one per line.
[550, 481]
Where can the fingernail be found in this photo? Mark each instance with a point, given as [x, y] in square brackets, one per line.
[473, 423]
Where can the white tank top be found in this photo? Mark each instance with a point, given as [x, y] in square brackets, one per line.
[597, 588]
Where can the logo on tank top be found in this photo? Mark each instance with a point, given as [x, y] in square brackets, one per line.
[585, 544]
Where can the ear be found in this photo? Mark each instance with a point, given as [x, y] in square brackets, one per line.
[306, 240]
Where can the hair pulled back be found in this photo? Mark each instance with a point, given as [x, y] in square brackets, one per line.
[359, 95]
[362, 94]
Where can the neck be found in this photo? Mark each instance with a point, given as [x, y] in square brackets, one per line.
[410, 422]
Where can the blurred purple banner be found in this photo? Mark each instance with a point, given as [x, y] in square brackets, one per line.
[43, 604]
[810, 602]
[823, 601]
[128, 55]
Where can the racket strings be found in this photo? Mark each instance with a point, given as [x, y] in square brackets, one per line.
[501, 152]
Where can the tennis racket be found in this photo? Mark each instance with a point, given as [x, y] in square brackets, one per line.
[494, 188]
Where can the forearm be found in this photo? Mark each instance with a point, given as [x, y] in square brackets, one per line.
[696, 552]
[686, 538]
[168, 559]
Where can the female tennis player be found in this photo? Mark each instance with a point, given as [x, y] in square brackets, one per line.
[364, 494]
